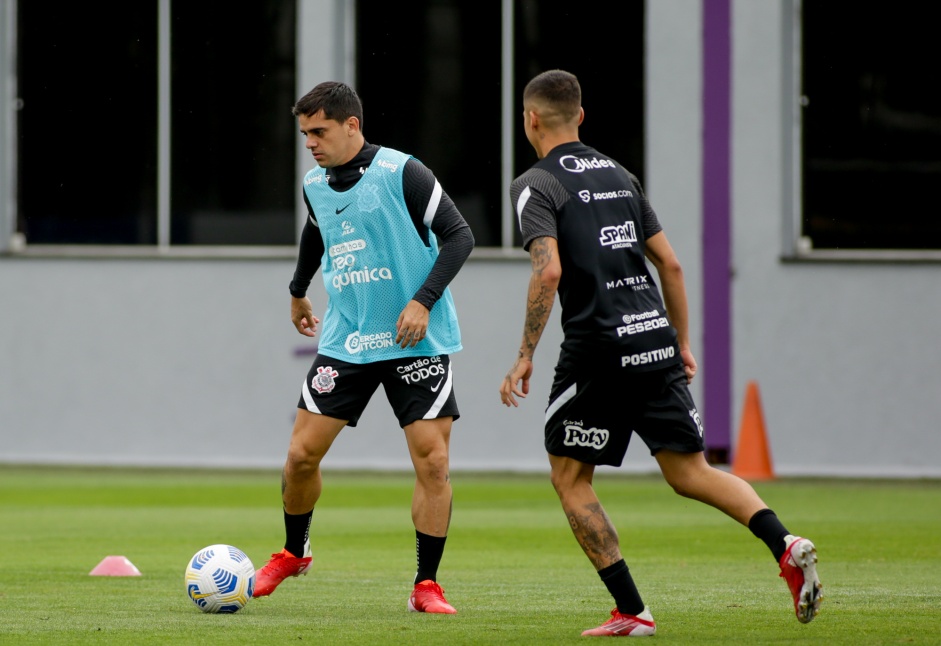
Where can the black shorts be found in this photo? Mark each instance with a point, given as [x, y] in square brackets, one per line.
[416, 387]
[591, 415]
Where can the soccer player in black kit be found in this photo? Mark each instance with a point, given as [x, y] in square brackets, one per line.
[625, 361]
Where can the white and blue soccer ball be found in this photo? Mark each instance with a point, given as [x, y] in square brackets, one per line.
[220, 579]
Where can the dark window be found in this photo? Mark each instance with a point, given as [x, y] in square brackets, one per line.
[605, 50]
[88, 127]
[429, 78]
[87, 130]
[233, 135]
[871, 126]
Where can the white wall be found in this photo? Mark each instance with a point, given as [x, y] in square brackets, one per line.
[194, 362]
[674, 143]
[845, 354]
[175, 361]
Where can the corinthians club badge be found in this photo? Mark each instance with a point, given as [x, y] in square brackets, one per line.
[323, 381]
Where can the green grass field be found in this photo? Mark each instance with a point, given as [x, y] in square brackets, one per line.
[511, 567]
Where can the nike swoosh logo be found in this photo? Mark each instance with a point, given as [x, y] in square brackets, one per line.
[437, 385]
[339, 211]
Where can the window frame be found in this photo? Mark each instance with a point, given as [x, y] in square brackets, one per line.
[9, 240]
[797, 247]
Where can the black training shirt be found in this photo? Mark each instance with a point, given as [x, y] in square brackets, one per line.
[612, 312]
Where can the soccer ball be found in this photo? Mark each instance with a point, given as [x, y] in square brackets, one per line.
[220, 578]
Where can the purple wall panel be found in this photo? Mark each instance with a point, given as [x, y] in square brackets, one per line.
[716, 256]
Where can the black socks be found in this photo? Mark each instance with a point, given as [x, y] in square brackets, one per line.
[621, 585]
[766, 526]
[429, 550]
[297, 531]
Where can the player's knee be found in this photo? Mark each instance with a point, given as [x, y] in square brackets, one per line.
[301, 461]
[432, 464]
[681, 489]
[682, 483]
[432, 474]
[563, 480]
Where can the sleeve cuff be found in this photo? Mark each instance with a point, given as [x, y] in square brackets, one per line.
[297, 291]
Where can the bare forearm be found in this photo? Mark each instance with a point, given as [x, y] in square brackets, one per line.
[674, 297]
[670, 271]
[538, 307]
[543, 285]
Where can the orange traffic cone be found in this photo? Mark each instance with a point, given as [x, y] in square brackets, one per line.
[752, 459]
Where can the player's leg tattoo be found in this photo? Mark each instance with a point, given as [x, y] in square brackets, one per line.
[595, 532]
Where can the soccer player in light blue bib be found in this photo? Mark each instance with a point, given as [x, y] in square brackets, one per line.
[388, 241]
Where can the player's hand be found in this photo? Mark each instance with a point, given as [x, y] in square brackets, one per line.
[689, 364]
[412, 325]
[302, 315]
[521, 371]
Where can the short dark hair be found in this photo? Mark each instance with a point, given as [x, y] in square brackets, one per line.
[338, 101]
[558, 91]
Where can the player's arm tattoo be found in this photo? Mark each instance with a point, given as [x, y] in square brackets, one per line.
[595, 532]
[539, 299]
